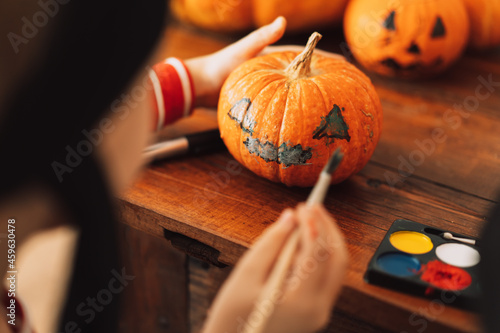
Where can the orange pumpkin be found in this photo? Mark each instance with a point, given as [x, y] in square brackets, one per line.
[484, 20]
[241, 15]
[282, 115]
[406, 38]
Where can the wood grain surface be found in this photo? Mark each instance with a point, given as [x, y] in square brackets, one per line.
[437, 163]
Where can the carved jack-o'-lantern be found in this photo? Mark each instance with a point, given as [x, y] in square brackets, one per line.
[406, 38]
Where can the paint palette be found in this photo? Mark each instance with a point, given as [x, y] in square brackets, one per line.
[415, 258]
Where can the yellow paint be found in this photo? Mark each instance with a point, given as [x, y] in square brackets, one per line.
[411, 242]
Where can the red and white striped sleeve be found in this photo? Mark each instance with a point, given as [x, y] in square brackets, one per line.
[173, 90]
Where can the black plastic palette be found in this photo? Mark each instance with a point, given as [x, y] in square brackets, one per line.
[416, 259]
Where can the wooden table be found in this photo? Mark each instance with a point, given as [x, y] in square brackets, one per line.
[432, 165]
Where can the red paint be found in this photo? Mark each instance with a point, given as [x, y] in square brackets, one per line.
[445, 276]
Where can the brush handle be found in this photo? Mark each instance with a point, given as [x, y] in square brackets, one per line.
[465, 240]
[274, 284]
[197, 143]
[167, 149]
[319, 191]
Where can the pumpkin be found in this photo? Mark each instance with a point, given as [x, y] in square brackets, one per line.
[406, 38]
[242, 15]
[484, 18]
[282, 115]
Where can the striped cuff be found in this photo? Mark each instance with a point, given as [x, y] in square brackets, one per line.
[173, 90]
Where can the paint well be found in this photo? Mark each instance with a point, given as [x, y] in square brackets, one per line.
[399, 264]
[459, 255]
[445, 276]
[411, 242]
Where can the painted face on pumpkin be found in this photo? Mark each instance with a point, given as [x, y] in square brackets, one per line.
[283, 115]
[409, 39]
[416, 62]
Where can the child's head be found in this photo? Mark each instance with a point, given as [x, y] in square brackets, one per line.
[63, 69]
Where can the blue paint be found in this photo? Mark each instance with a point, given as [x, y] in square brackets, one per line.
[399, 264]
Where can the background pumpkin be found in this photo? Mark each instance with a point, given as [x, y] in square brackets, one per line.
[406, 38]
[485, 23]
[282, 115]
[241, 15]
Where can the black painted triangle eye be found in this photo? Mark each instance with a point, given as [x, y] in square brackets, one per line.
[438, 30]
[414, 48]
[389, 21]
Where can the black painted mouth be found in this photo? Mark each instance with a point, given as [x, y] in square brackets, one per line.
[414, 66]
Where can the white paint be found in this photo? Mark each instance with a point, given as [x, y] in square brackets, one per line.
[459, 255]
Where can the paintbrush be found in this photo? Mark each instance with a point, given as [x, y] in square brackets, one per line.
[197, 143]
[277, 276]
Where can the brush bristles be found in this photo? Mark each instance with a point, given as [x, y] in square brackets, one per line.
[334, 161]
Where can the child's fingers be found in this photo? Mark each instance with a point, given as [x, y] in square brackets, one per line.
[260, 259]
[322, 258]
[337, 239]
[335, 245]
[253, 43]
[308, 234]
[311, 265]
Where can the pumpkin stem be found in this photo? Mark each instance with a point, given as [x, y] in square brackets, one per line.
[301, 65]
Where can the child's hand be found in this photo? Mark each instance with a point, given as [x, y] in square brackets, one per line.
[209, 72]
[315, 279]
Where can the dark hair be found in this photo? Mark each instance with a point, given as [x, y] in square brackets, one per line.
[95, 49]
